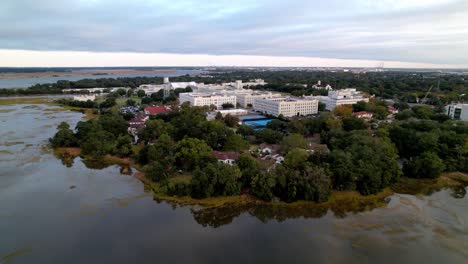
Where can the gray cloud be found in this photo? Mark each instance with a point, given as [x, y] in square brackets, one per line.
[415, 31]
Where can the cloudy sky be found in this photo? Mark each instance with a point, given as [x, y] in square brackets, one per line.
[420, 33]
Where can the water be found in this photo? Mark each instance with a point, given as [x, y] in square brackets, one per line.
[258, 123]
[26, 82]
[53, 214]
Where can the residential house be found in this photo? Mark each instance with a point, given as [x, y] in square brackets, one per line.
[226, 157]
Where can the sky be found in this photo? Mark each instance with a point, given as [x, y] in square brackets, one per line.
[361, 33]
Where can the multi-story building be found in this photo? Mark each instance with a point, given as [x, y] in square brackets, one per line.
[457, 111]
[286, 106]
[207, 99]
[247, 99]
[335, 98]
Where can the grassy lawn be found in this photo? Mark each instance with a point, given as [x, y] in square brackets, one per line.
[181, 178]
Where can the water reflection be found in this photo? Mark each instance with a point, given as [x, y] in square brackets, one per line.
[108, 217]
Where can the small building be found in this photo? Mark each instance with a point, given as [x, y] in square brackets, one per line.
[84, 98]
[319, 86]
[392, 110]
[226, 157]
[363, 114]
[136, 124]
[154, 110]
[457, 111]
[268, 149]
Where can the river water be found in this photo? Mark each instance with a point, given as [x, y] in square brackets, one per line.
[51, 213]
[26, 82]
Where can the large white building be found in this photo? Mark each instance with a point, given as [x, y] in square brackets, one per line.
[207, 99]
[247, 99]
[347, 96]
[286, 106]
[84, 98]
[457, 111]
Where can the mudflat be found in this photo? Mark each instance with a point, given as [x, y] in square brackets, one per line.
[17, 75]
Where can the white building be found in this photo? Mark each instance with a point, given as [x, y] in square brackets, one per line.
[224, 113]
[150, 88]
[319, 86]
[457, 111]
[95, 90]
[255, 82]
[247, 99]
[287, 106]
[207, 99]
[84, 98]
[335, 98]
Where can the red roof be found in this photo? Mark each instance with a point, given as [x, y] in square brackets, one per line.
[225, 155]
[392, 109]
[153, 110]
[362, 113]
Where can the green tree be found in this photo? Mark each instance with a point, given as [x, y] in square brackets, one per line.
[268, 136]
[322, 107]
[123, 146]
[427, 165]
[231, 121]
[293, 141]
[227, 106]
[153, 130]
[235, 142]
[114, 124]
[130, 102]
[245, 130]
[263, 184]
[353, 123]
[192, 152]
[121, 92]
[141, 93]
[249, 167]
[216, 179]
[296, 158]
[64, 136]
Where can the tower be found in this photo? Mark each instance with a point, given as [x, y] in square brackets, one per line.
[166, 80]
[239, 84]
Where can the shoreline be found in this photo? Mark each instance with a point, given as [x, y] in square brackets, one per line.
[340, 201]
[105, 73]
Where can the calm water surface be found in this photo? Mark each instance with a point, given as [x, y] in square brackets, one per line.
[53, 214]
[26, 82]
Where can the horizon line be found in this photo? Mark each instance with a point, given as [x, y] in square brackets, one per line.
[17, 58]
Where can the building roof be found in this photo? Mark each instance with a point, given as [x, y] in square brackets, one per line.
[153, 110]
[362, 113]
[225, 155]
[392, 109]
[140, 118]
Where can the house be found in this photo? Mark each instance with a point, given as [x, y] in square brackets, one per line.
[136, 124]
[318, 148]
[268, 149]
[154, 110]
[363, 114]
[278, 158]
[392, 110]
[226, 157]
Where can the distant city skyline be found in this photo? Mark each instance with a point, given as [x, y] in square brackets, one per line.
[348, 33]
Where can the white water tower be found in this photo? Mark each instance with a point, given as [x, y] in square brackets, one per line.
[166, 80]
